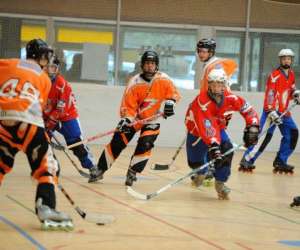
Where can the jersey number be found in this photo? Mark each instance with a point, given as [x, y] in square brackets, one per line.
[12, 88]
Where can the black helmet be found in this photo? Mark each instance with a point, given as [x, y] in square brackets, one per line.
[36, 48]
[150, 55]
[209, 44]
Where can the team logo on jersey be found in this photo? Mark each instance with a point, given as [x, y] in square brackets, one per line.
[209, 130]
[147, 104]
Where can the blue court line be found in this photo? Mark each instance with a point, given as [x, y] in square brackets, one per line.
[292, 243]
[22, 232]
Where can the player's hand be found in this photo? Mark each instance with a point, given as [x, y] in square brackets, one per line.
[274, 117]
[296, 96]
[169, 108]
[124, 125]
[251, 136]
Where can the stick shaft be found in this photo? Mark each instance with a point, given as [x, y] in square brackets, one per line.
[100, 135]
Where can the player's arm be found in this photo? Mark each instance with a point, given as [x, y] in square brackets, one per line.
[250, 116]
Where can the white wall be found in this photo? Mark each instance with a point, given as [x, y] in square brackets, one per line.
[99, 112]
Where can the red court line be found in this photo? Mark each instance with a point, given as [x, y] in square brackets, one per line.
[243, 246]
[149, 215]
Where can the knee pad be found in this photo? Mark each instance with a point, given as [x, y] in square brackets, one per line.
[145, 143]
[265, 142]
[294, 138]
[228, 158]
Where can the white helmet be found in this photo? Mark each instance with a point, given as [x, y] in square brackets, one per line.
[217, 75]
[286, 52]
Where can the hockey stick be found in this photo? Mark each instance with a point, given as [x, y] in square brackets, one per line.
[99, 219]
[149, 196]
[82, 173]
[166, 166]
[100, 135]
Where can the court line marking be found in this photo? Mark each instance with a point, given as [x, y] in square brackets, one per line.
[22, 232]
[147, 214]
[273, 214]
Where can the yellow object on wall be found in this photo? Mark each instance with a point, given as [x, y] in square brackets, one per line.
[29, 32]
[72, 35]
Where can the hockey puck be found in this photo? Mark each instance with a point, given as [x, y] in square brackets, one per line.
[161, 167]
[100, 224]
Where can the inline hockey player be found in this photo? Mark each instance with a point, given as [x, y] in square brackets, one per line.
[280, 90]
[142, 99]
[24, 88]
[61, 115]
[206, 123]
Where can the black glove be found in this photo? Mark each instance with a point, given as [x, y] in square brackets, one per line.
[251, 135]
[124, 125]
[169, 108]
[214, 153]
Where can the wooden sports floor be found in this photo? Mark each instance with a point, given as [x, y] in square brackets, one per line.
[256, 217]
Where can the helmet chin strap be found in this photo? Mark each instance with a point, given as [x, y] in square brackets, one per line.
[285, 66]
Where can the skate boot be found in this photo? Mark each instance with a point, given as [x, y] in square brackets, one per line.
[222, 190]
[197, 180]
[280, 167]
[296, 202]
[95, 174]
[130, 177]
[52, 219]
[246, 167]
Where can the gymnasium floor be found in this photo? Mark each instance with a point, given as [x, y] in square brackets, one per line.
[257, 216]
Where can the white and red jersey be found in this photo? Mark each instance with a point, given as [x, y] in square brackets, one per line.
[61, 104]
[279, 90]
[205, 119]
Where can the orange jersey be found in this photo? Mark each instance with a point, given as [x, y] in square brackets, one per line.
[228, 65]
[24, 89]
[143, 99]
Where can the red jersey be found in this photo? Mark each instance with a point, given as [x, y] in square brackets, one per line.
[205, 119]
[61, 105]
[279, 90]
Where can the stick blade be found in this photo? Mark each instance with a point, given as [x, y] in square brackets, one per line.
[83, 174]
[99, 219]
[136, 194]
[160, 166]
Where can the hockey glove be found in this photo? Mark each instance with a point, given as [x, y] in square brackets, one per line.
[251, 136]
[296, 96]
[274, 117]
[169, 108]
[214, 153]
[124, 125]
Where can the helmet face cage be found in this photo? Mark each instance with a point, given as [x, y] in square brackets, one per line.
[38, 49]
[209, 44]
